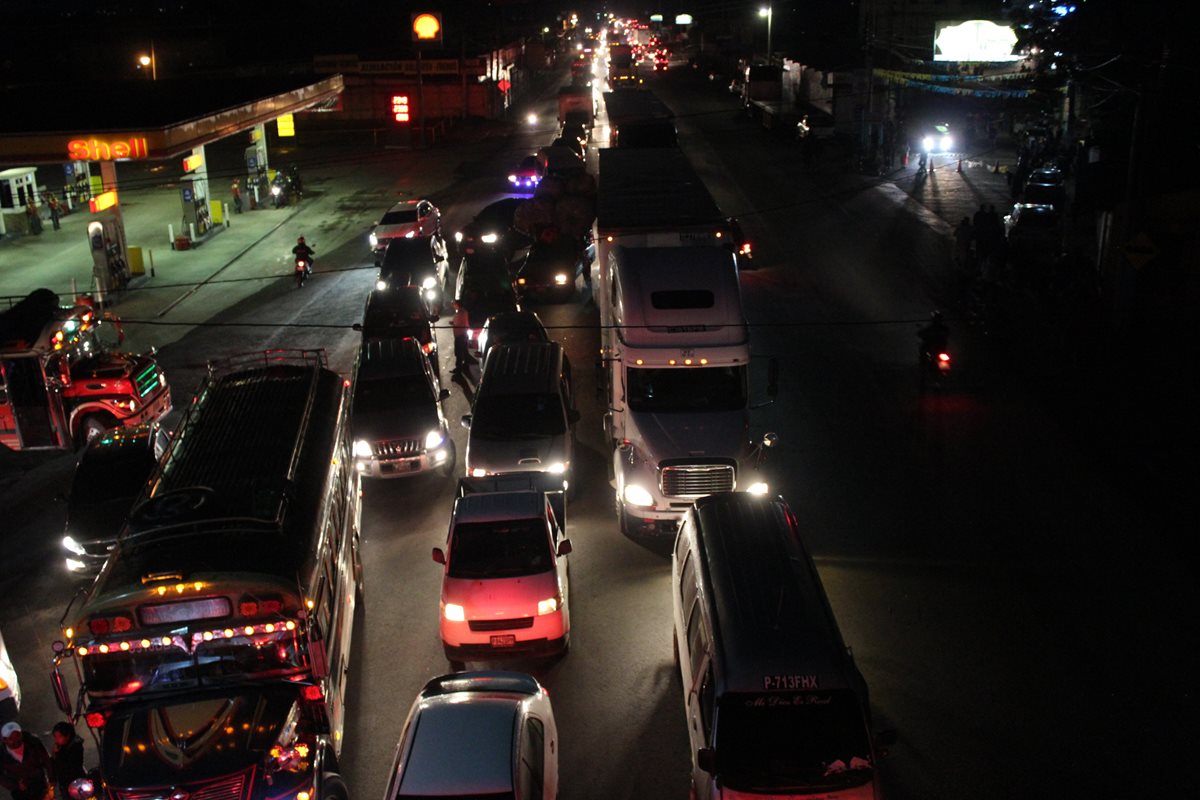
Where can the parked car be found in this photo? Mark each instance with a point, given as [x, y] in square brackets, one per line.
[505, 723]
[399, 427]
[492, 230]
[406, 219]
[111, 474]
[526, 175]
[419, 262]
[1034, 232]
[505, 580]
[401, 313]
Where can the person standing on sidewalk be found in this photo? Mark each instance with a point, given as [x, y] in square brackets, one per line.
[25, 766]
[461, 324]
[237, 196]
[55, 211]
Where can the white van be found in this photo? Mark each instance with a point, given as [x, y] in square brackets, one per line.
[776, 707]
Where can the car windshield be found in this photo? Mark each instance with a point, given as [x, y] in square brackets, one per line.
[686, 389]
[517, 416]
[399, 217]
[504, 549]
[100, 480]
[792, 743]
[1041, 193]
[173, 667]
[393, 392]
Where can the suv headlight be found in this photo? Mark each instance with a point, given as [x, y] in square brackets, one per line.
[373, 239]
[433, 439]
[637, 496]
[73, 546]
[429, 282]
[362, 449]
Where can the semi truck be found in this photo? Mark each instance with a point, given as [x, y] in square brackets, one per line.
[675, 345]
[576, 98]
[637, 118]
[62, 379]
[622, 66]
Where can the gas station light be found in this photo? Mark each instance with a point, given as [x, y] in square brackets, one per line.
[400, 108]
[427, 27]
[286, 125]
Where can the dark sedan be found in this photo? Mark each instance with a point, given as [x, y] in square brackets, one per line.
[549, 270]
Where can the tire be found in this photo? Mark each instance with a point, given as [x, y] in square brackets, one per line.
[447, 469]
[91, 427]
[334, 788]
[675, 647]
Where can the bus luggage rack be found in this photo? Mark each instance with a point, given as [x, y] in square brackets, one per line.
[240, 442]
[268, 358]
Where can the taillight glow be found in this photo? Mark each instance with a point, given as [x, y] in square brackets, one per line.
[96, 719]
[945, 357]
[313, 694]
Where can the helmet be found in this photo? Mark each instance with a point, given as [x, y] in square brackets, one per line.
[300, 240]
[936, 316]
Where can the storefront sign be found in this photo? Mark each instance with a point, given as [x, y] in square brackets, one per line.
[100, 150]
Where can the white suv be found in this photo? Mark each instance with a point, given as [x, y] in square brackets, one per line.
[405, 220]
[505, 585]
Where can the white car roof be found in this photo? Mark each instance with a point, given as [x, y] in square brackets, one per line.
[462, 747]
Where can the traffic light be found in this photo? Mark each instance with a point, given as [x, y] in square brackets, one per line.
[427, 27]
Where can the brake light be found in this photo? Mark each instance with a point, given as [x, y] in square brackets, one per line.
[248, 608]
[96, 719]
[118, 623]
[427, 348]
[313, 694]
[271, 606]
[944, 357]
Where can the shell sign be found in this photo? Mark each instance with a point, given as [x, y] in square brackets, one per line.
[427, 27]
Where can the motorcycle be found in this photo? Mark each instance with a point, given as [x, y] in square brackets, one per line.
[281, 191]
[303, 270]
[936, 364]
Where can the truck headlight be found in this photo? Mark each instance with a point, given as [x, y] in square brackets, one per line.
[557, 468]
[362, 449]
[373, 239]
[637, 496]
[454, 612]
[547, 606]
[73, 546]
[489, 238]
[560, 279]
[759, 488]
[433, 439]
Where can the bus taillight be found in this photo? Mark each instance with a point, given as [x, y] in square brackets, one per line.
[118, 623]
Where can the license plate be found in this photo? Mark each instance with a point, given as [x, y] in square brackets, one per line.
[507, 640]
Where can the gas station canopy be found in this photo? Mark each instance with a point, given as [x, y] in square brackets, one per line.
[144, 120]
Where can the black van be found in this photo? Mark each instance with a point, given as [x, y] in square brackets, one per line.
[775, 704]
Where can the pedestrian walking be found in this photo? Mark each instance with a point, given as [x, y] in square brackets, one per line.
[236, 189]
[67, 758]
[55, 211]
[461, 325]
[25, 766]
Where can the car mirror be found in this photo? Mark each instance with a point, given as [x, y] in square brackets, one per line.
[706, 759]
[357, 326]
[439, 556]
[466, 421]
[564, 547]
[443, 394]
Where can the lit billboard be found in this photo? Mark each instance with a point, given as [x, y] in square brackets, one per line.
[974, 40]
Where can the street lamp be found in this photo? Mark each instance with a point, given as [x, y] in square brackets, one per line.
[149, 61]
[766, 12]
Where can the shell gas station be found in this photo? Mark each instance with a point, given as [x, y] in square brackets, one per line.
[165, 125]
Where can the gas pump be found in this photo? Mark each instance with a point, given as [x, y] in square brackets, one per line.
[110, 257]
[193, 195]
[258, 187]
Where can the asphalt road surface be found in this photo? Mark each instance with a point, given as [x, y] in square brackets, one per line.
[1015, 611]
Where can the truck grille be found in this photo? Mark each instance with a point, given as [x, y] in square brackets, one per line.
[229, 788]
[145, 381]
[500, 624]
[397, 448]
[695, 480]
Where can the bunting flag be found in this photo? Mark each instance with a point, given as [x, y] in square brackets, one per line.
[891, 74]
[907, 80]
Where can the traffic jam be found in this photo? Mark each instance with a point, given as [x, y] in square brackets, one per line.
[211, 651]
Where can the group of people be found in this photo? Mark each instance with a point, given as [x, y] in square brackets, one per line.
[979, 242]
[30, 772]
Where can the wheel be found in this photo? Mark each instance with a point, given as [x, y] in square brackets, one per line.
[447, 469]
[91, 427]
[334, 788]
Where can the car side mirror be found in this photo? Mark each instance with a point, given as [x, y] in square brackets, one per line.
[443, 394]
[466, 421]
[439, 556]
[357, 326]
[706, 759]
[573, 416]
[564, 547]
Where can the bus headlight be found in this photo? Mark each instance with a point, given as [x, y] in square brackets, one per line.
[453, 612]
[637, 496]
[362, 449]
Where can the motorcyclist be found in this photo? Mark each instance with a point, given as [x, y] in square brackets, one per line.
[934, 336]
[293, 175]
[302, 250]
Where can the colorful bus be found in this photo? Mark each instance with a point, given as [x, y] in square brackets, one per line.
[212, 649]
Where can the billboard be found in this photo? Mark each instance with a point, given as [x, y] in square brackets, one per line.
[974, 40]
